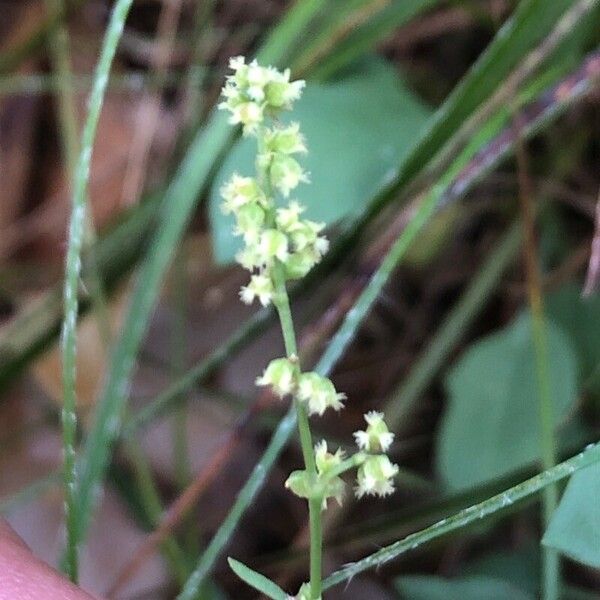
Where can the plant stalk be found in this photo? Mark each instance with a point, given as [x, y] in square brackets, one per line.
[550, 559]
[282, 304]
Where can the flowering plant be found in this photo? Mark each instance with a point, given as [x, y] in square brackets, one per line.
[281, 245]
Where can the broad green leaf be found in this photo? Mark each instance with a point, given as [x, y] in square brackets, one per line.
[491, 424]
[521, 567]
[357, 130]
[580, 318]
[575, 526]
[256, 580]
[428, 587]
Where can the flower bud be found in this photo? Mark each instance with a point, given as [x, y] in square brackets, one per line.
[239, 191]
[288, 218]
[260, 287]
[324, 460]
[299, 264]
[280, 92]
[299, 483]
[377, 438]
[272, 244]
[250, 219]
[305, 234]
[318, 393]
[281, 375]
[286, 173]
[285, 140]
[249, 258]
[375, 477]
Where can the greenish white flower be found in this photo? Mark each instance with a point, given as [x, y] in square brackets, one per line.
[260, 287]
[377, 437]
[250, 220]
[281, 374]
[375, 477]
[272, 244]
[299, 264]
[253, 89]
[285, 140]
[286, 173]
[326, 485]
[240, 191]
[325, 460]
[305, 234]
[248, 114]
[318, 393]
[248, 258]
[299, 483]
[288, 218]
[280, 92]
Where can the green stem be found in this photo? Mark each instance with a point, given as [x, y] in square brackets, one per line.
[350, 463]
[316, 547]
[71, 284]
[282, 304]
[550, 559]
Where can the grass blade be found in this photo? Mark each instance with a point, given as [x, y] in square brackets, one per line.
[279, 45]
[72, 273]
[175, 212]
[178, 203]
[364, 38]
[531, 22]
[548, 442]
[477, 512]
[257, 581]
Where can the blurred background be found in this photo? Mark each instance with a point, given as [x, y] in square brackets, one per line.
[488, 110]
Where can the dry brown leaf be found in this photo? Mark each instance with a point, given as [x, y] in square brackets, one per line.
[91, 356]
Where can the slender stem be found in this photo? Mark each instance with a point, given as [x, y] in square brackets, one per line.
[316, 547]
[282, 304]
[72, 274]
[178, 351]
[550, 558]
[350, 463]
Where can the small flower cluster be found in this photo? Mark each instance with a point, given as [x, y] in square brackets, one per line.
[253, 91]
[376, 474]
[374, 477]
[271, 235]
[315, 391]
[280, 245]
